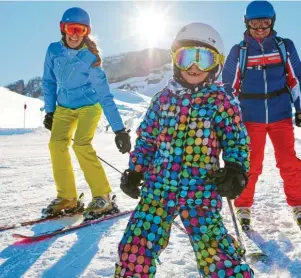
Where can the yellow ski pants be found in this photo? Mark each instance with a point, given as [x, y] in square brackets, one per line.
[84, 122]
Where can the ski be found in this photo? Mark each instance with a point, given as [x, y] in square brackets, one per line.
[253, 244]
[47, 217]
[37, 221]
[68, 229]
[253, 252]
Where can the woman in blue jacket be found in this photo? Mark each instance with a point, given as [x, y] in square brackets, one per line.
[75, 93]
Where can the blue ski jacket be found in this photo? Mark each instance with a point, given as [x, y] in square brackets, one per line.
[264, 74]
[71, 81]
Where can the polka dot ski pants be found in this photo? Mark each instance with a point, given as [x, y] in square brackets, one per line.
[147, 234]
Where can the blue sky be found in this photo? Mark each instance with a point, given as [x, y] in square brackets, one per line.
[27, 28]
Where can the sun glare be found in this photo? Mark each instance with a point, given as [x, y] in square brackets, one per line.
[150, 26]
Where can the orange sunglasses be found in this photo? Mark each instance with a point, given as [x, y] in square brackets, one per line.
[75, 28]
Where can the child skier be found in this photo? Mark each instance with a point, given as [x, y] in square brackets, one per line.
[177, 152]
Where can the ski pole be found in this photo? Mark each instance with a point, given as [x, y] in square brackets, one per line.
[240, 240]
[109, 164]
[106, 162]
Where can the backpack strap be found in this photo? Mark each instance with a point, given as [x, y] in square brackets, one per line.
[243, 57]
[282, 51]
[283, 54]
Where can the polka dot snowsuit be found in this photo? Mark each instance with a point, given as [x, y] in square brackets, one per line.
[178, 145]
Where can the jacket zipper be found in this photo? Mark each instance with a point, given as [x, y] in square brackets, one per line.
[62, 81]
[63, 71]
[265, 89]
[70, 74]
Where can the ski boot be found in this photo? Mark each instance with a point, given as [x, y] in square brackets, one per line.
[100, 207]
[297, 215]
[62, 206]
[244, 218]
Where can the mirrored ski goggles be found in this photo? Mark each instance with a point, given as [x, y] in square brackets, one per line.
[260, 23]
[75, 29]
[204, 58]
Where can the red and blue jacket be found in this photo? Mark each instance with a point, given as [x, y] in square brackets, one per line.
[265, 74]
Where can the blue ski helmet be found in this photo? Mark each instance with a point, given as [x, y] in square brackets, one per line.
[260, 9]
[76, 15]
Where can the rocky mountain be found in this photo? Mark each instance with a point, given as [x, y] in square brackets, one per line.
[135, 64]
[34, 87]
[17, 87]
[149, 66]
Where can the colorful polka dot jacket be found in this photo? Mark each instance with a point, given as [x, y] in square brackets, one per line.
[178, 145]
[180, 140]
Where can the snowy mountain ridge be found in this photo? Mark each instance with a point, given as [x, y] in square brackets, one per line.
[149, 66]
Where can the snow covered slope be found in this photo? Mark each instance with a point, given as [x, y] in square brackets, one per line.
[15, 120]
[12, 110]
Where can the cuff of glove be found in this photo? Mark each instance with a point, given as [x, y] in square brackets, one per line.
[135, 175]
[237, 168]
[234, 166]
[132, 178]
[122, 131]
[119, 131]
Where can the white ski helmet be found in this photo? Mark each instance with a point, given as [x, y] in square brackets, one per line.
[202, 34]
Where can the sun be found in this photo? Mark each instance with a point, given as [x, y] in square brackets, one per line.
[150, 26]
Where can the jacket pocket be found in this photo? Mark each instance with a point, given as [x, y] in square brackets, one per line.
[75, 75]
[91, 96]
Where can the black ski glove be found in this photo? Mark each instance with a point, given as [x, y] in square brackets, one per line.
[48, 120]
[130, 182]
[298, 119]
[230, 180]
[123, 140]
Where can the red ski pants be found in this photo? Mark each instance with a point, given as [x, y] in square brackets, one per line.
[282, 137]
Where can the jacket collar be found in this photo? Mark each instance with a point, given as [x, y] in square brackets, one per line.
[70, 51]
[178, 89]
[255, 44]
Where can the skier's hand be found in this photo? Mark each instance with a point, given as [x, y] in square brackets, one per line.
[48, 120]
[298, 119]
[230, 180]
[123, 140]
[130, 182]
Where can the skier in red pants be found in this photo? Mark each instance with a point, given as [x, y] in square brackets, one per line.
[264, 72]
